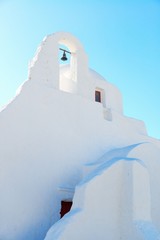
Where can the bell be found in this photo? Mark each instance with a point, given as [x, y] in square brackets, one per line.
[64, 58]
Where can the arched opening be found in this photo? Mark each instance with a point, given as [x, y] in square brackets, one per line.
[67, 69]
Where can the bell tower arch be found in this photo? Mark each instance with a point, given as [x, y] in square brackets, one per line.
[45, 68]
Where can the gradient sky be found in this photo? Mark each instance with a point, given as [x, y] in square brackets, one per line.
[121, 38]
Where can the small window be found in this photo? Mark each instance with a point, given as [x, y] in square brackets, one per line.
[97, 96]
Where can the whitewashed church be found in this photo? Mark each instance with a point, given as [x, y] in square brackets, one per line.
[72, 166]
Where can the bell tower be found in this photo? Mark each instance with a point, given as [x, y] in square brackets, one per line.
[45, 69]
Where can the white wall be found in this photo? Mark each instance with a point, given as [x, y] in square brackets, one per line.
[149, 153]
[113, 200]
[46, 137]
[103, 207]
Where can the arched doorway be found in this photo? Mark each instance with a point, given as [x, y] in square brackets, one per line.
[65, 207]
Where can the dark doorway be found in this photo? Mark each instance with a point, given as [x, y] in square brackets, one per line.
[65, 207]
[97, 96]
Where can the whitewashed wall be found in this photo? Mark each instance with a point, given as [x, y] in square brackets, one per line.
[47, 135]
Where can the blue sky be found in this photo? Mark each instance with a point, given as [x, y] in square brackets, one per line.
[121, 38]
